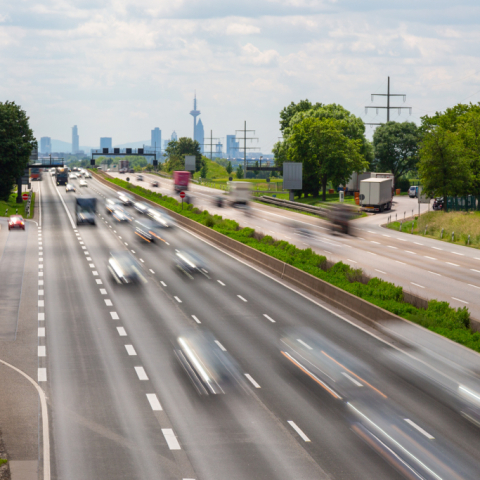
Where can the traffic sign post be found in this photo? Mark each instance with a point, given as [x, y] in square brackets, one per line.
[182, 196]
[25, 196]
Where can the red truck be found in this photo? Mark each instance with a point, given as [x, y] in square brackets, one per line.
[180, 180]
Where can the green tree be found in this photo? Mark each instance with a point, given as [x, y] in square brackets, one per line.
[174, 162]
[229, 168]
[443, 167]
[204, 171]
[185, 146]
[396, 148]
[256, 171]
[16, 145]
[469, 131]
[291, 110]
[239, 171]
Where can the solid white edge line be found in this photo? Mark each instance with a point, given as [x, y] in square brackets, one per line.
[171, 439]
[64, 206]
[45, 432]
[297, 429]
[252, 381]
[420, 429]
[154, 403]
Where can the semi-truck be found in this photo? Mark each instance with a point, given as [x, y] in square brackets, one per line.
[353, 184]
[123, 166]
[181, 180]
[376, 194]
[61, 175]
[85, 210]
[239, 193]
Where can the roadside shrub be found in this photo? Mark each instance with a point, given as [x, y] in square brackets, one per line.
[403, 184]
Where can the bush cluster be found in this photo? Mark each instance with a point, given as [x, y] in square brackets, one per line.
[439, 317]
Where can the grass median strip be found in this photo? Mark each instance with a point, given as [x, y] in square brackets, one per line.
[439, 317]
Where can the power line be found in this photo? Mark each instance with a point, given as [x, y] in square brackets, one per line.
[245, 148]
[211, 143]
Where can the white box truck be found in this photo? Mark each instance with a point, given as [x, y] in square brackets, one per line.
[240, 193]
[353, 184]
[376, 194]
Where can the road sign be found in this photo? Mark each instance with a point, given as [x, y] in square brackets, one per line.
[190, 162]
[182, 194]
[24, 196]
[292, 176]
[422, 198]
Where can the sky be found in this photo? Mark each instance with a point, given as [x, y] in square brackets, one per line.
[119, 68]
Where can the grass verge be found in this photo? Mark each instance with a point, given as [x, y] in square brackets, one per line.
[439, 317]
[10, 207]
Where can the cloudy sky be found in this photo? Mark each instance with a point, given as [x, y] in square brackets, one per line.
[122, 67]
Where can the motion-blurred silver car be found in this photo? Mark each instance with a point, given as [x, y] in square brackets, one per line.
[124, 268]
[190, 264]
[126, 198]
[141, 207]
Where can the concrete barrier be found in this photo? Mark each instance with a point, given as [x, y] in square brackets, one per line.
[344, 301]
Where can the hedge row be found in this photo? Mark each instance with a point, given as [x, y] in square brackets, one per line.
[439, 317]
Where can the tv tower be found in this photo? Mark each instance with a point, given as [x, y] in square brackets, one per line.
[195, 113]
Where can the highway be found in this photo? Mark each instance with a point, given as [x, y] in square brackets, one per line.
[122, 406]
[423, 266]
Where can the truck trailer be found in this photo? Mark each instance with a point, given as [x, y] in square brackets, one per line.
[239, 193]
[181, 180]
[376, 194]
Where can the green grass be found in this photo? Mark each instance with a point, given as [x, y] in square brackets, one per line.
[3, 461]
[214, 171]
[439, 317]
[12, 206]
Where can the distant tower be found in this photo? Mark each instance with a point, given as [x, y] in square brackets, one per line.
[195, 113]
[199, 134]
[174, 136]
[75, 140]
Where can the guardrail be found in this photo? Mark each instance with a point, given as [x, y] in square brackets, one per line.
[27, 207]
[295, 205]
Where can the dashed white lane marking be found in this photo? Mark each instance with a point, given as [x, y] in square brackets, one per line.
[89, 259]
[350, 260]
[141, 259]
[142, 374]
[171, 439]
[473, 285]
[416, 243]
[167, 243]
[436, 248]
[417, 285]
[473, 270]
[151, 271]
[456, 253]
[40, 274]
[371, 253]
[252, 381]
[108, 302]
[40, 293]
[91, 265]
[458, 300]
[42, 351]
[221, 346]
[353, 380]
[86, 253]
[431, 258]
[326, 251]
[154, 403]
[121, 331]
[130, 350]
[103, 291]
[42, 374]
[383, 235]
[420, 429]
[41, 316]
[221, 283]
[114, 316]
[40, 283]
[454, 264]
[81, 243]
[391, 246]
[126, 243]
[119, 236]
[269, 318]
[40, 266]
[398, 261]
[133, 251]
[163, 283]
[371, 241]
[84, 248]
[304, 344]
[95, 273]
[177, 299]
[369, 231]
[297, 429]
[380, 271]
[408, 251]
[41, 331]
[196, 319]
[99, 282]
[433, 273]
[241, 298]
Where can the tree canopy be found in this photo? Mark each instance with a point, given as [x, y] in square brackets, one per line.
[185, 146]
[16, 145]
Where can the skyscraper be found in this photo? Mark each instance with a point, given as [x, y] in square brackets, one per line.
[232, 146]
[75, 140]
[198, 132]
[156, 141]
[106, 142]
[174, 136]
[46, 145]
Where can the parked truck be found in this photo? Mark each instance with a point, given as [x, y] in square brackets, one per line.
[181, 180]
[123, 166]
[353, 184]
[239, 193]
[376, 194]
[85, 210]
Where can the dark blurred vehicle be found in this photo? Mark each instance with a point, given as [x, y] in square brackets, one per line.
[16, 221]
[85, 210]
[123, 170]
[438, 203]
[141, 207]
[125, 198]
[190, 264]
[162, 218]
[139, 178]
[70, 188]
[124, 268]
[154, 183]
[218, 201]
[120, 214]
[147, 230]
[131, 170]
[340, 216]
[210, 367]
[111, 204]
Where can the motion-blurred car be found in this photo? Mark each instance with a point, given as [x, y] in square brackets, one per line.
[16, 221]
[438, 203]
[73, 176]
[163, 219]
[126, 198]
[148, 230]
[52, 172]
[120, 214]
[123, 170]
[139, 178]
[154, 183]
[124, 268]
[111, 204]
[141, 207]
[88, 175]
[218, 201]
[210, 367]
[70, 188]
[190, 264]
[83, 183]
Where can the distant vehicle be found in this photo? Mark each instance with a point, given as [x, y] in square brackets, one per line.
[181, 180]
[123, 170]
[88, 175]
[139, 178]
[240, 193]
[141, 207]
[147, 230]
[123, 166]
[218, 201]
[353, 184]
[53, 172]
[111, 204]
[125, 198]
[62, 176]
[131, 170]
[73, 176]
[376, 194]
[413, 192]
[36, 173]
[16, 221]
[154, 183]
[124, 268]
[85, 209]
[190, 264]
[438, 203]
[83, 183]
[162, 218]
[70, 188]
[120, 214]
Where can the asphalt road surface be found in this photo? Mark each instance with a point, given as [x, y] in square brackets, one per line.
[123, 407]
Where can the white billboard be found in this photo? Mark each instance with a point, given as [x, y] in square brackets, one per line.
[190, 163]
[292, 175]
